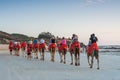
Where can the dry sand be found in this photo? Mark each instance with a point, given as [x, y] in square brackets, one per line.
[4, 46]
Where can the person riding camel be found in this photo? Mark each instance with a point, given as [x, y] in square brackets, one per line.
[11, 47]
[93, 38]
[92, 43]
[23, 45]
[29, 49]
[23, 48]
[74, 42]
[63, 40]
[62, 49]
[93, 50]
[17, 47]
[42, 44]
[74, 38]
[75, 50]
[42, 47]
[52, 48]
[64, 43]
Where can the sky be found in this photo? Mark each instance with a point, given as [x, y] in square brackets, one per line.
[63, 18]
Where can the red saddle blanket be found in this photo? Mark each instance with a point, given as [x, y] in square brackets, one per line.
[75, 44]
[61, 47]
[42, 45]
[35, 46]
[52, 45]
[93, 46]
[23, 45]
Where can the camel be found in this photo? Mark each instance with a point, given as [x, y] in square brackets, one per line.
[17, 48]
[62, 49]
[42, 50]
[93, 51]
[75, 50]
[11, 47]
[35, 51]
[52, 49]
[23, 48]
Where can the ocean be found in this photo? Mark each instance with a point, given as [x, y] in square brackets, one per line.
[110, 50]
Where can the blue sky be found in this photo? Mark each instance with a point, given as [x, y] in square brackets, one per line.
[63, 18]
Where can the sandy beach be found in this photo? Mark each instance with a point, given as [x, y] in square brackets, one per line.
[19, 68]
[94, 24]
[4, 46]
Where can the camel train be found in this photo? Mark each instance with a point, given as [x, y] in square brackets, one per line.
[36, 49]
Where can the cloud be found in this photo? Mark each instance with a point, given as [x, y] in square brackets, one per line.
[101, 1]
[89, 2]
[93, 2]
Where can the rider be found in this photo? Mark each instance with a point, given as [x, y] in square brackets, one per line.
[11, 47]
[75, 42]
[23, 44]
[92, 43]
[53, 40]
[93, 38]
[52, 48]
[35, 44]
[52, 43]
[42, 44]
[74, 38]
[63, 41]
[42, 41]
